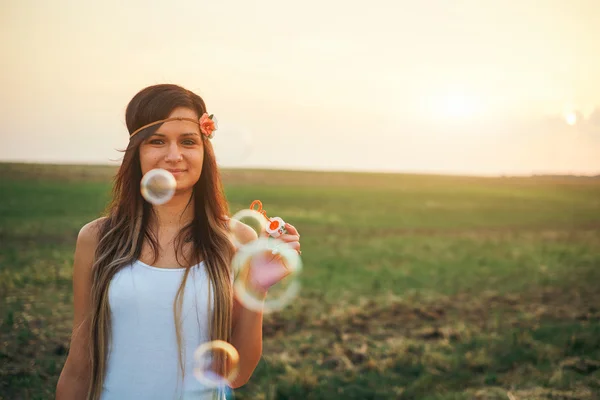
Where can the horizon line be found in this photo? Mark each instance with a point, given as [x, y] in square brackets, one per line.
[335, 170]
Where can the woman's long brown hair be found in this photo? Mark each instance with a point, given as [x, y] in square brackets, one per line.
[126, 228]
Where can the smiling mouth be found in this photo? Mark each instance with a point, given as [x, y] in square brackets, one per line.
[173, 171]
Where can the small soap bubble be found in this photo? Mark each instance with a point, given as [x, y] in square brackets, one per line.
[251, 218]
[220, 393]
[216, 364]
[266, 274]
[158, 186]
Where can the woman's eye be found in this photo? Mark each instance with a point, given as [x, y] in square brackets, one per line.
[187, 142]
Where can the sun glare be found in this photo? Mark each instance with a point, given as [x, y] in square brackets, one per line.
[457, 105]
[571, 118]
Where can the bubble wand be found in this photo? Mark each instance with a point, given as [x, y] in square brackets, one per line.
[276, 226]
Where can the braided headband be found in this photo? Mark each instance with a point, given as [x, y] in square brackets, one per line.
[207, 123]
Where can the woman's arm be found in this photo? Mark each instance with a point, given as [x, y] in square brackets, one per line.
[246, 334]
[247, 339]
[247, 324]
[74, 379]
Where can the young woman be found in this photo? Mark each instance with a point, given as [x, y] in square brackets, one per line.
[153, 282]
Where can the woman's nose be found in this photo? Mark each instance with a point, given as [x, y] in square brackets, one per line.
[173, 153]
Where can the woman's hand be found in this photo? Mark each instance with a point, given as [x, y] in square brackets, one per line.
[269, 268]
[292, 237]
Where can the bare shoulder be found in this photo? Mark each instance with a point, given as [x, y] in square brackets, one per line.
[85, 250]
[89, 234]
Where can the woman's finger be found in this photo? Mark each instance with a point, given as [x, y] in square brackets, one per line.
[294, 245]
[289, 238]
[291, 229]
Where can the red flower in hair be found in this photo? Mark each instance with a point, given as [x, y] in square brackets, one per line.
[208, 125]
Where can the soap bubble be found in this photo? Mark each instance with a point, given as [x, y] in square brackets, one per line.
[220, 393]
[251, 218]
[216, 364]
[158, 186]
[266, 274]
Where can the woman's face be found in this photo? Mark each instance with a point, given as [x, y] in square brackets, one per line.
[176, 146]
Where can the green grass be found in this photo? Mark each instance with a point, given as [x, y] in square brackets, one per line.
[414, 287]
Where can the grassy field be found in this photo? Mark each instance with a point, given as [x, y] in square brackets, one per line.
[414, 287]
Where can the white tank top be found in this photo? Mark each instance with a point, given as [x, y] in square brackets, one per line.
[143, 356]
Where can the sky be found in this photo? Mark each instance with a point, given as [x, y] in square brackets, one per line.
[436, 86]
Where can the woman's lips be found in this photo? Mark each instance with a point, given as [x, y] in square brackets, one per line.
[177, 172]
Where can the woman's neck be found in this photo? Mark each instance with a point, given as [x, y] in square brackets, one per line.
[176, 213]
